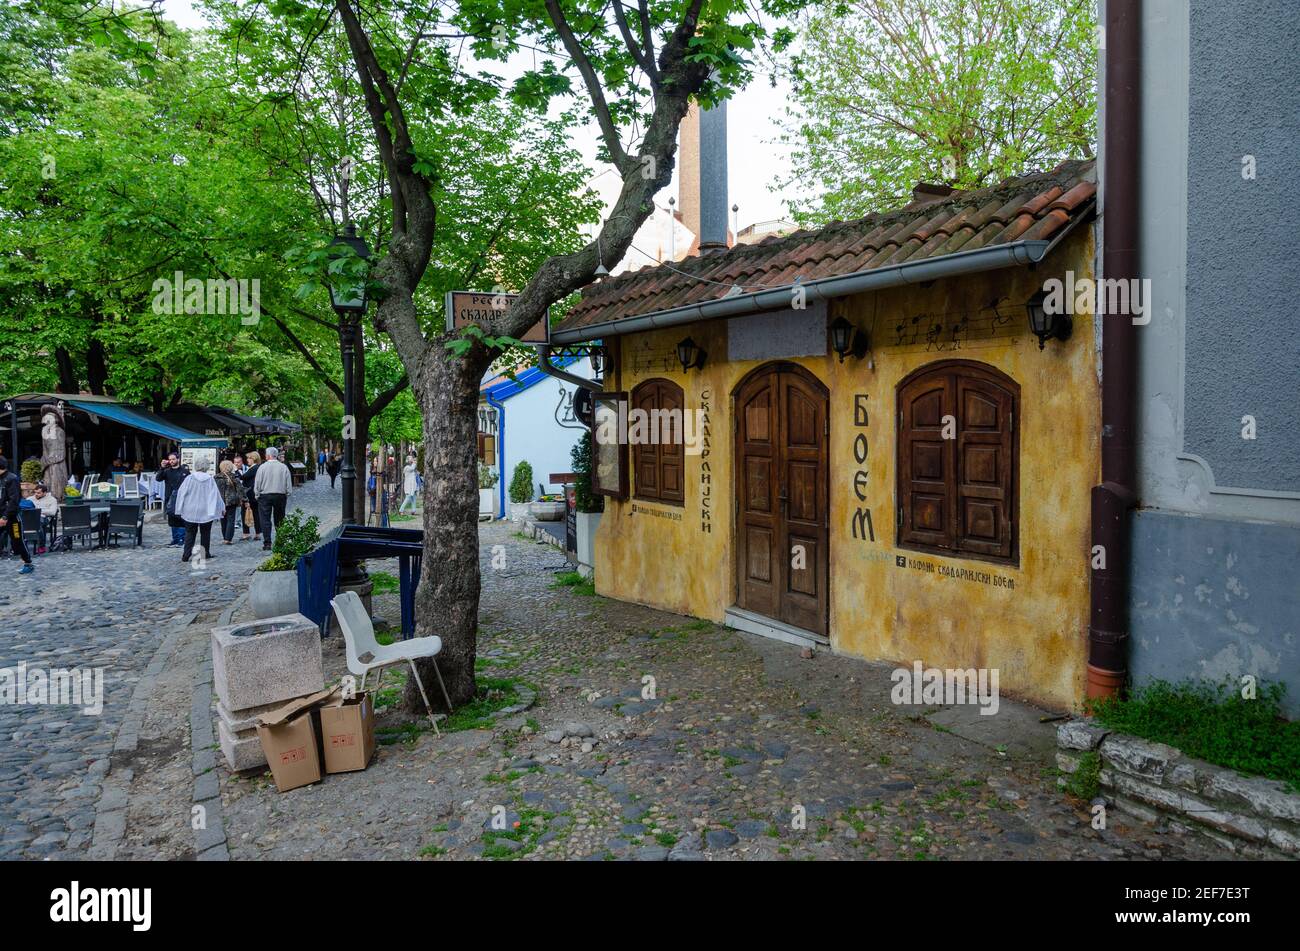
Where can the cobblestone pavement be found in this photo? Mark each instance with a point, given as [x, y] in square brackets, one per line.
[66, 778]
[746, 750]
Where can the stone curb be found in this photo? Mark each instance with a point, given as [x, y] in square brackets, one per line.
[111, 809]
[529, 526]
[210, 840]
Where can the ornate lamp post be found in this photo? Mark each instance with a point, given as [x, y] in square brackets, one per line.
[350, 304]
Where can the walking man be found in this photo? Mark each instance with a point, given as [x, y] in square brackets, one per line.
[11, 493]
[272, 487]
[171, 475]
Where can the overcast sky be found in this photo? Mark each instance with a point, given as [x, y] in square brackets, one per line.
[753, 118]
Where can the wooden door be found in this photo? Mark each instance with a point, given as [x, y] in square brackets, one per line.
[782, 437]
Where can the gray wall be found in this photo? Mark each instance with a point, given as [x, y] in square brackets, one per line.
[1216, 543]
[1215, 598]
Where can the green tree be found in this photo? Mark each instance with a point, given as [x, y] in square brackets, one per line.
[888, 93]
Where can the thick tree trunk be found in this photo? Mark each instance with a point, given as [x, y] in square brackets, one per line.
[446, 602]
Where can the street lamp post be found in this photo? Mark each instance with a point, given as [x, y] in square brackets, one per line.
[349, 302]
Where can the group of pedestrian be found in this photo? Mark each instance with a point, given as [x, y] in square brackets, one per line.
[249, 490]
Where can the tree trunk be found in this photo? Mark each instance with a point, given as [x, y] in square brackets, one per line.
[446, 602]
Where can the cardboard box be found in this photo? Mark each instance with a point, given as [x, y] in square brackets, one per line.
[291, 742]
[348, 733]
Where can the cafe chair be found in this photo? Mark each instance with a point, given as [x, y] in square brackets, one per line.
[76, 521]
[126, 518]
[29, 522]
[365, 654]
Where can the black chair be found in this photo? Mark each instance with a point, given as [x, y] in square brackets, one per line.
[77, 522]
[126, 518]
[29, 521]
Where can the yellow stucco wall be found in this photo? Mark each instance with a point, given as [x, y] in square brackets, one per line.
[1028, 620]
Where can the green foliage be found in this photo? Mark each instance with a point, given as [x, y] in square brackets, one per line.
[960, 92]
[579, 584]
[384, 582]
[1085, 781]
[30, 471]
[521, 483]
[297, 536]
[1212, 722]
[487, 476]
[585, 499]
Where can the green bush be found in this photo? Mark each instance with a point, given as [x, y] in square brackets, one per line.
[585, 499]
[487, 476]
[1212, 722]
[30, 471]
[521, 484]
[298, 535]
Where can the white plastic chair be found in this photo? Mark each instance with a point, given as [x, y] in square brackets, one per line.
[359, 641]
[130, 486]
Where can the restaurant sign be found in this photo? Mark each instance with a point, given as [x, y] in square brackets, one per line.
[487, 311]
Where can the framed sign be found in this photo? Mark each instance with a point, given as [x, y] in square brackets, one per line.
[487, 311]
[608, 452]
[190, 455]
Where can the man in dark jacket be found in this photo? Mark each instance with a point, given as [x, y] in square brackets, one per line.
[11, 493]
[171, 475]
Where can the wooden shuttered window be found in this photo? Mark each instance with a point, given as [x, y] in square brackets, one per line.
[958, 461]
[658, 450]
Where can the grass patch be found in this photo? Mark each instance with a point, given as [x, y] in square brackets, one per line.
[1085, 781]
[385, 583]
[579, 584]
[494, 693]
[1214, 723]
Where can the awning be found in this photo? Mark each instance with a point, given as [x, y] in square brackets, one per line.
[146, 421]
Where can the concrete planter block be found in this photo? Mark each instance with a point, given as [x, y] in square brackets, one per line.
[519, 511]
[1128, 754]
[546, 511]
[242, 750]
[273, 593]
[266, 661]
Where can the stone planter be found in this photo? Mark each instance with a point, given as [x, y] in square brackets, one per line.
[546, 511]
[27, 489]
[255, 667]
[519, 511]
[273, 593]
[487, 503]
[588, 522]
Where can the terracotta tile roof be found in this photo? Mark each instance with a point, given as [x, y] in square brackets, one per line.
[1028, 208]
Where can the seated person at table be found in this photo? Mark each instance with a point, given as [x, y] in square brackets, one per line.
[48, 506]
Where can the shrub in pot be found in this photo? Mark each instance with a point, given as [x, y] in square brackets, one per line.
[589, 505]
[29, 473]
[274, 590]
[487, 499]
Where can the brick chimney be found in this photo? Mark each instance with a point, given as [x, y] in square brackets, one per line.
[688, 171]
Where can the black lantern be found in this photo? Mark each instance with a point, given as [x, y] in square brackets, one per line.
[1046, 326]
[597, 358]
[847, 340]
[349, 300]
[689, 354]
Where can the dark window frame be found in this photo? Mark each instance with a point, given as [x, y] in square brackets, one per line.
[618, 492]
[655, 452]
[980, 377]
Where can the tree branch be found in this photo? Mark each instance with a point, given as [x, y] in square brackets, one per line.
[617, 155]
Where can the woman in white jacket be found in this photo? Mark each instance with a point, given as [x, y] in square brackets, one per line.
[198, 505]
[410, 484]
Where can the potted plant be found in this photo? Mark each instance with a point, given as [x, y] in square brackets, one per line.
[487, 499]
[29, 475]
[589, 505]
[521, 491]
[274, 591]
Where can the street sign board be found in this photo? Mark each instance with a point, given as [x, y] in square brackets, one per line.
[487, 311]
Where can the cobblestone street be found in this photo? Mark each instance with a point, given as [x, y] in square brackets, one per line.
[742, 750]
[125, 610]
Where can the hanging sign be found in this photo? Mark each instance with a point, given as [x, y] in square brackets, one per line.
[488, 311]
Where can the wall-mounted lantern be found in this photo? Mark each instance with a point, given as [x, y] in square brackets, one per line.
[847, 340]
[1047, 326]
[690, 355]
[597, 358]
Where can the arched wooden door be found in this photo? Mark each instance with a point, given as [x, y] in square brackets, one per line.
[782, 517]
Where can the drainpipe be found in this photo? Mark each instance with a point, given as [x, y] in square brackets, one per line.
[1116, 496]
[501, 451]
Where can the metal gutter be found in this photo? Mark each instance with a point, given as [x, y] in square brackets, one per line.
[1017, 253]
